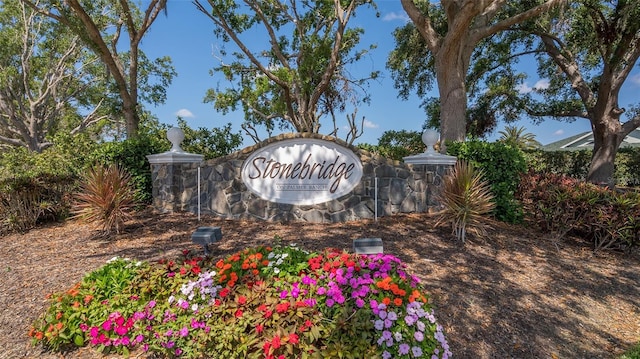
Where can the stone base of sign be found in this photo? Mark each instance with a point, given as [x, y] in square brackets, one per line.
[401, 188]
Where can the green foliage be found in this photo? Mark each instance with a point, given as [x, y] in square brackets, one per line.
[518, 138]
[571, 163]
[575, 164]
[397, 144]
[627, 167]
[46, 78]
[300, 74]
[319, 305]
[63, 325]
[131, 155]
[563, 205]
[467, 199]
[213, 143]
[633, 353]
[37, 187]
[54, 161]
[105, 198]
[502, 166]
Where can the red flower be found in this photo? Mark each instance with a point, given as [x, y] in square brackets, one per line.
[196, 270]
[275, 343]
[238, 313]
[262, 308]
[224, 292]
[282, 307]
[266, 347]
[294, 338]
[242, 300]
[183, 270]
[259, 328]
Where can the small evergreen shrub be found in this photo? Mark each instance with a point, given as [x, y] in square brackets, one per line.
[467, 199]
[605, 218]
[502, 166]
[105, 198]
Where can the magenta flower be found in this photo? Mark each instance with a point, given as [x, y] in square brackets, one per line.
[106, 326]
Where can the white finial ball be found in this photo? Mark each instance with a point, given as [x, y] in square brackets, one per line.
[430, 138]
[175, 136]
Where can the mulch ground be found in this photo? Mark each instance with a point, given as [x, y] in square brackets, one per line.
[514, 294]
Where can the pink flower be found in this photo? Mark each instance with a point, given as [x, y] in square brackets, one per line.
[121, 330]
[106, 326]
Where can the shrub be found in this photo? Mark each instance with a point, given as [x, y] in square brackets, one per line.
[502, 166]
[37, 187]
[27, 201]
[466, 198]
[259, 303]
[576, 164]
[131, 155]
[106, 197]
[563, 205]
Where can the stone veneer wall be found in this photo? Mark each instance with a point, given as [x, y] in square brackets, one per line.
[402, 188]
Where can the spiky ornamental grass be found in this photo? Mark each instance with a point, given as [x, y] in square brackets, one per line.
[466, 199]
[106, 197]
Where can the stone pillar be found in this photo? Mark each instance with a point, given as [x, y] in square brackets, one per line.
[167, 174]
[435, 165]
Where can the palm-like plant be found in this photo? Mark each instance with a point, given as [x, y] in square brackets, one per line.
[106, 198]
[466, 198]
[516, 137]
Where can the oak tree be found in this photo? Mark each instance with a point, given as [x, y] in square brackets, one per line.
[451, 30]
[100, 25]
[290, 61]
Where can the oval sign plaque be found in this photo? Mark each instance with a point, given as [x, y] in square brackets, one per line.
[301, 171]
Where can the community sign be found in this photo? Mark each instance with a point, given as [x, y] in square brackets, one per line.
[302, 171]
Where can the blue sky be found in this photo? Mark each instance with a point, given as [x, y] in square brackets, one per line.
[186, 35]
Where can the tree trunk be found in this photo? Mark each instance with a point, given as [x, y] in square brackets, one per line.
[131, 117]
[606, 141]
[453, 100]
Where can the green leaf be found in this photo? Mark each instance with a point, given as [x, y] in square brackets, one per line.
[78, 340]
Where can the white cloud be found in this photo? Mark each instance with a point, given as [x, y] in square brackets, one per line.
[541, 84]
[524, 88]
[560, 132]
[184, 113]
[393, 16]
[635, 79]
[369, 124]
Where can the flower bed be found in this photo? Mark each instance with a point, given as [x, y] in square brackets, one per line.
[263, 302]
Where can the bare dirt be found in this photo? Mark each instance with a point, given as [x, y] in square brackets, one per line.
[514, 294]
